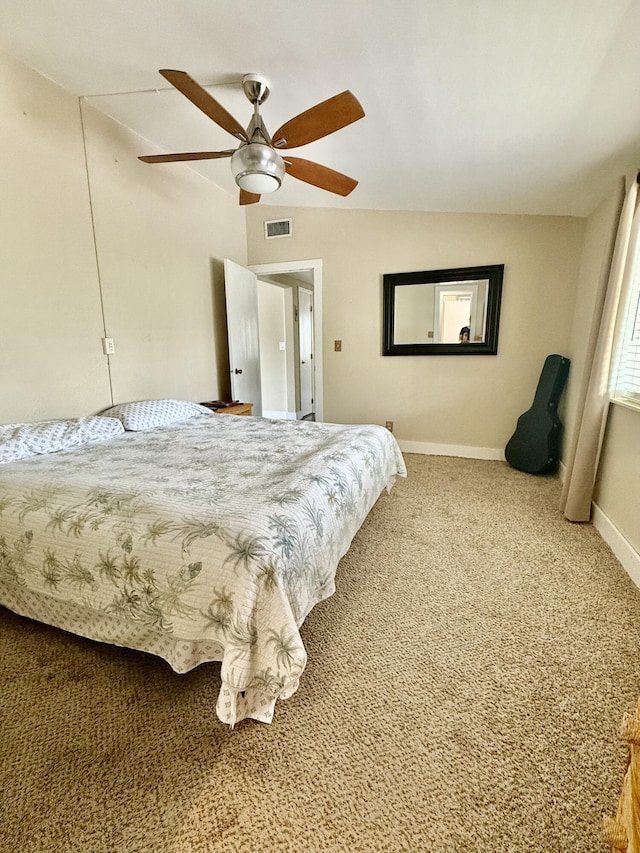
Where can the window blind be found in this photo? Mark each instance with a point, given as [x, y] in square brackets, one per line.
[626, 375]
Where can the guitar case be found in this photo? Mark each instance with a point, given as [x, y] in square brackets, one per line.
[535, 445]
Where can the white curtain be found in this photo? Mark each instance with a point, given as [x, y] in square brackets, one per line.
[582, 468]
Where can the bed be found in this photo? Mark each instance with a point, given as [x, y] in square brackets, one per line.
[207, 539]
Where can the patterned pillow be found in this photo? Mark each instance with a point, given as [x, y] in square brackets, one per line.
[19, 441]
[147, 414]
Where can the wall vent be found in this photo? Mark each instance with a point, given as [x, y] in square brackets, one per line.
[277, 228]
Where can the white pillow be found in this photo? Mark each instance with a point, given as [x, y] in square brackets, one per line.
[19, 441]
[147, 414]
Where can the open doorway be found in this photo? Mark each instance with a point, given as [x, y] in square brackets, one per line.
[290, 311]
[457, 309]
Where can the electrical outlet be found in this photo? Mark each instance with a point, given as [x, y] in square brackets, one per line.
[337, 345]
[389, 425]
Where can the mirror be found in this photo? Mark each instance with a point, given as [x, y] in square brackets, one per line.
[442, 312]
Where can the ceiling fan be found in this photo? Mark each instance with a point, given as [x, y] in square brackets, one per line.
[256, 164]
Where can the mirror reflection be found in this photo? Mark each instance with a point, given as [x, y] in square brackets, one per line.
[443, 312]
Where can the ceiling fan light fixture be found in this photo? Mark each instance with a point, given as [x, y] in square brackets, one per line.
[257, 168]
[257, 183]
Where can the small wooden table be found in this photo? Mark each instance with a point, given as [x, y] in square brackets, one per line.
[238, 409]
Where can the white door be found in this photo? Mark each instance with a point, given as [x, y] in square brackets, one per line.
[314, 268]
[305, 329]
[241, 291]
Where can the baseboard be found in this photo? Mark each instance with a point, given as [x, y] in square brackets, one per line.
[432, 449]
[279, 416]
[621, 547]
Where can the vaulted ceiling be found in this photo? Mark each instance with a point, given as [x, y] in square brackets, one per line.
[505, 106]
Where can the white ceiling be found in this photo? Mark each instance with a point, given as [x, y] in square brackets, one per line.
[505, 106]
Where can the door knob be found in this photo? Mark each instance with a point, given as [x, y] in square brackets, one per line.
[238, 371]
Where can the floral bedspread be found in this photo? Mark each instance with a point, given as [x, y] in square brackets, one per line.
[208, 540]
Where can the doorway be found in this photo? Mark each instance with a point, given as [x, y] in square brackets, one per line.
[291, 363]
[456, 309]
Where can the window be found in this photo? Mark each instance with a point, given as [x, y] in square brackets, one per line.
[625, 378]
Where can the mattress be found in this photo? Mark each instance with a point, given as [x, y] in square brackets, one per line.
[209, 540]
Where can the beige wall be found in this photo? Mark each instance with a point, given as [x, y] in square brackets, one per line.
[618, 487]
[617, 491]
[51, 361]
[161, 234]
[470, 401]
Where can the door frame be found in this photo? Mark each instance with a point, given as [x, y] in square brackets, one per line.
[314, 266]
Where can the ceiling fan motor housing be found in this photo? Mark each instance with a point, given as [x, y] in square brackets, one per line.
[257, 168]
[256, 88]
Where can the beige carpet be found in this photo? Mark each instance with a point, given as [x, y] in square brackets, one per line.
[464, 692]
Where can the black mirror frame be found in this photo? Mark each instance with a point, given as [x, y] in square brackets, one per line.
[494, 273]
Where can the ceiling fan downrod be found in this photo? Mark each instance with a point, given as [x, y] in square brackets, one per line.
[256, 166]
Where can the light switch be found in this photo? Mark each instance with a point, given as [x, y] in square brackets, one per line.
[337, 345]
[108, 346]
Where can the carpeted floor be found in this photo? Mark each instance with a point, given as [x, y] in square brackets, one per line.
[464, 692]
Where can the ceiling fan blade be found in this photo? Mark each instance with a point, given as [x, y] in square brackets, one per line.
[319, 121]
[189, 155]
[248, 198]
[205, 102]
[319, 176]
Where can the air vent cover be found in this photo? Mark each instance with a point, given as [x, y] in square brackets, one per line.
[277, 228]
